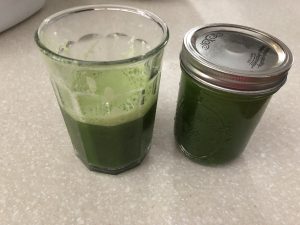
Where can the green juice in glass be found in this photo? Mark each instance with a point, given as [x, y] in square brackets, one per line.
[120, 146]
[104, 64]
[109, 114]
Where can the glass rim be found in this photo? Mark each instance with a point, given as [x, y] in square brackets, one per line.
[147, 14]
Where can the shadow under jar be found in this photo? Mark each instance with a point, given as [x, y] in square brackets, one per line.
[104, 63]
[229, 73]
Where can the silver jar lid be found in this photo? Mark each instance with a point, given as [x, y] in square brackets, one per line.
[236, 58]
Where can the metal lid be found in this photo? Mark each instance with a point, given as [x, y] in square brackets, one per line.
[236, 58]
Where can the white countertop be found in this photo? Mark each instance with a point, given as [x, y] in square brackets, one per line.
[42, 181]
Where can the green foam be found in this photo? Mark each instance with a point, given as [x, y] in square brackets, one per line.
[106, 97]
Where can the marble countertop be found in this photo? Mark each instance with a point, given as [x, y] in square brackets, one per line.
[42, 181]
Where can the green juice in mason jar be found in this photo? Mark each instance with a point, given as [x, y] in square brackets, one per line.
[229, 73]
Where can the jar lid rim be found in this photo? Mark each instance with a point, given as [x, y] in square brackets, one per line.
[218, 53]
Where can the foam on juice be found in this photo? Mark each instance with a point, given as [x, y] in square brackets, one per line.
[105, 95]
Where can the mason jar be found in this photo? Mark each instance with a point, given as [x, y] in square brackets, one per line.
[229, 73]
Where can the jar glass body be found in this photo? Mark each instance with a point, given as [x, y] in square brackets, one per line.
[214, 126]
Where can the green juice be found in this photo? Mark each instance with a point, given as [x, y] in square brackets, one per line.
[109, 113]
[229, 73]
[111, 149]
[212, 126]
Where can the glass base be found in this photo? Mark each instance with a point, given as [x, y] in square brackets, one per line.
[115, 171]
[209, 160]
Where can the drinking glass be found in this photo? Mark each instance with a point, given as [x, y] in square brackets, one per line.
[104, 64]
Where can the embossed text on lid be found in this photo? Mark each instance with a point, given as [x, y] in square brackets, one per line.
[236, 51]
